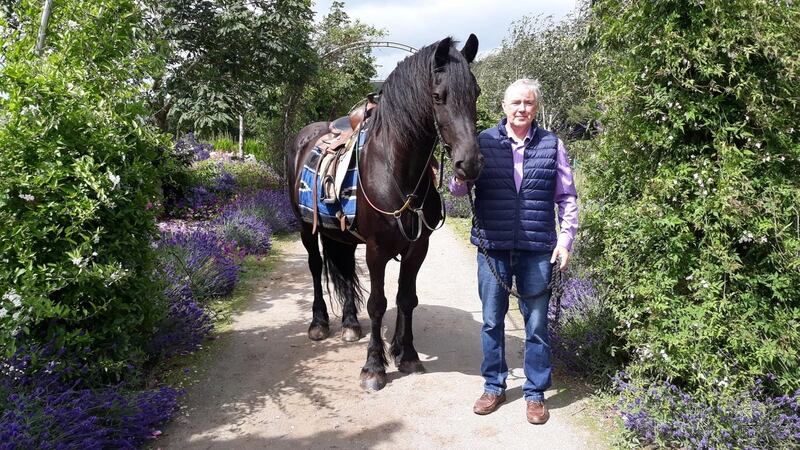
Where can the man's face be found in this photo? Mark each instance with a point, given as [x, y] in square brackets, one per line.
[520, 107]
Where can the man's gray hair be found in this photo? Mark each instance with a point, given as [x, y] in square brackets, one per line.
[527, 83]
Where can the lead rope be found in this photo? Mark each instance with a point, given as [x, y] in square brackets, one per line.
[557, 277]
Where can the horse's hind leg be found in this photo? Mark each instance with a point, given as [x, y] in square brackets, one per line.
[340, 259]
[405, 355]
[373, 374]
[319, 328]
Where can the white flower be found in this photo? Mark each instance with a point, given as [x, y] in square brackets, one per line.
[762, 239]
[96, 239]
[114, 179]
[29, 109]
[27, 197]
[3, 312]
[13, 297]
[664, 355]
[72, 24]
[690, 277]
[77, 261]
[4, 96]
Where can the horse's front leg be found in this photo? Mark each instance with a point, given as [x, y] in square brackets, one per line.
[405, 355]
[320, 326]
[373, 374]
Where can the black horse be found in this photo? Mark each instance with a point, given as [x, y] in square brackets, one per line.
[430, 94]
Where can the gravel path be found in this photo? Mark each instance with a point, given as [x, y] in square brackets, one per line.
[269, 386]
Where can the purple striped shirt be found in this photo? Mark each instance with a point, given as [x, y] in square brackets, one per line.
[565, 196]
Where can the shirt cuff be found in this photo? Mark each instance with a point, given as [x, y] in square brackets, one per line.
[458, 190]
[565, 240]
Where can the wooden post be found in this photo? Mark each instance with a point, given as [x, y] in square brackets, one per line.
[48, 5]
[241, 136]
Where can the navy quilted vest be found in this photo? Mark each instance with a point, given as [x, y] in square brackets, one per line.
[511, 220]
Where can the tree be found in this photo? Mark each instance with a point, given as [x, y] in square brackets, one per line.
[692, 202]
[553, 53]
[222, 55]
[340, 80]
[344, 76]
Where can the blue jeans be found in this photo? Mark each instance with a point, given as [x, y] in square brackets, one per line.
[531, 270]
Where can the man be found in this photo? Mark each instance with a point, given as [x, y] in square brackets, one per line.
[526, 173]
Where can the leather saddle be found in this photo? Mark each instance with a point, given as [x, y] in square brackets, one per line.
[336, 148]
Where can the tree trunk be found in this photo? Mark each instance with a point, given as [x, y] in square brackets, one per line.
[48, 5]
[241, 136]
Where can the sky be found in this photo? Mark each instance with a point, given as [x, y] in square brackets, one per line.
[421, 22]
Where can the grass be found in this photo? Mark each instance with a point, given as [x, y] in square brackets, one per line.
[185, 370]
[461, 226]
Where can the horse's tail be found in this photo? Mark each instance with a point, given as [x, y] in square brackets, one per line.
[340, 269]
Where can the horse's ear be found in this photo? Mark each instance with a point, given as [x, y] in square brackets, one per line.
[442, 55]
[470, 48]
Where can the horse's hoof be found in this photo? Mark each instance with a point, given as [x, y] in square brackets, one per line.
[372, 382]
[351, 334]
[411, 367]
[318, 332]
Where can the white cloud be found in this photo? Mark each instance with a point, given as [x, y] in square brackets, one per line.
[419, 23]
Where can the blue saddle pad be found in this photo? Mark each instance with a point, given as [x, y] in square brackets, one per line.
[329, 212]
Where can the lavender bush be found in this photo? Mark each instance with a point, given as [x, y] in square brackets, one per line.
[268, 206]
[457, 206]
[251, 234]
[665, 415]
[186, 325]
[46, 405]
[583, 338]
[200, 259]
[188, 147]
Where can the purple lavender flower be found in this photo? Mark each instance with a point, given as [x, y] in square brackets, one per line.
[716, 420]
[250, 234]
[272, 207]
[46, 404]
[188, 147]
[583, 335]
[206, 263]
[185, 327]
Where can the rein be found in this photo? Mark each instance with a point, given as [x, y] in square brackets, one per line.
[407, 205]
[557, 277]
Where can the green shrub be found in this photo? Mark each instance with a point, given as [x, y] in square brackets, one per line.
[225, 144]
[249, 175]
[692, 201]
[78, 171]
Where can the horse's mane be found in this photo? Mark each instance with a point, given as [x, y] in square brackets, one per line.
[401, 114]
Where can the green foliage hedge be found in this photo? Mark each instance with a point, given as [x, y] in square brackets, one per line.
[693, 199]
[78, 170]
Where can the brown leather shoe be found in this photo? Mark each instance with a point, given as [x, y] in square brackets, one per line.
[537, 412]
[488, 403]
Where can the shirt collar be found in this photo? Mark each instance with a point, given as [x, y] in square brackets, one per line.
[528, 137]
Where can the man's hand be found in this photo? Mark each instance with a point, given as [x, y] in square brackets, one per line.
[564, 254]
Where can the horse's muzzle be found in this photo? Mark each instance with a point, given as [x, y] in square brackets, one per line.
[468, 169]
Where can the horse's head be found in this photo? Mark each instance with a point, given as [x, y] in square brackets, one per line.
[454, 94]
